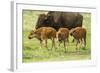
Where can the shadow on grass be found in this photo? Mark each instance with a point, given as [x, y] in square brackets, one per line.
[27, 48]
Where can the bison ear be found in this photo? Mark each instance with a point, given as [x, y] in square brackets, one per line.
[33, 30]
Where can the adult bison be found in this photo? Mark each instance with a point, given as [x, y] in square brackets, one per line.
[61, 19]
[41, 21]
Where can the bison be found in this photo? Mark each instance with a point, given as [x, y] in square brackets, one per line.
[79, 35]
[41, 21]
[43, 34]
[62, 36]
[61, 20]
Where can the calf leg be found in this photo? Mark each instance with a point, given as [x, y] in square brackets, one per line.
[65, 45]
[60, 43]
[84, 44]
[77, 42]
[46, 43]
[53, 43]
[72, 40]
[41, 43]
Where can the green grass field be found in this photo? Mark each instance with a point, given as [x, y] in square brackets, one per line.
[31, 48]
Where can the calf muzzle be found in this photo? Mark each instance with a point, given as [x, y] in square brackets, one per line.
[29, 37]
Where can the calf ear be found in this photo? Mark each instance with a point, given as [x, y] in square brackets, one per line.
[72, 31]
[34, 29]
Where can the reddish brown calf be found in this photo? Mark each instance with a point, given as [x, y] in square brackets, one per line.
[62, 36]
[79, 35]
[43, 34]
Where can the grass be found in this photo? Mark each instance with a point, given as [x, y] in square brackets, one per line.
[31, 48]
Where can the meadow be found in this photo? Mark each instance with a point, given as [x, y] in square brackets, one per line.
[31, 48]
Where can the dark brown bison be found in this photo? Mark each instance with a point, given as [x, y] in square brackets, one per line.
[61, 20]
[79, 35]
[43, 34]
[41, 21]
[62, 36]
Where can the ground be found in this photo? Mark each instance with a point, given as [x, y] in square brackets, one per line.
[31, 48]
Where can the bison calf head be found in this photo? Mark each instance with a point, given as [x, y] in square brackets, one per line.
[32, 34]
[72, 32]
[59, 37]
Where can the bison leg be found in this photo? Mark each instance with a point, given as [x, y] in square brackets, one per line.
[73, 41]
[84, 44]
[59, 43]
[41, 43]
[65, 45]
[53, 44]
[46, 43]
[77, 46]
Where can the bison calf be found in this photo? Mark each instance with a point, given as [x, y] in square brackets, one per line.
[79, 35]
[43, 34]
[62, 36]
